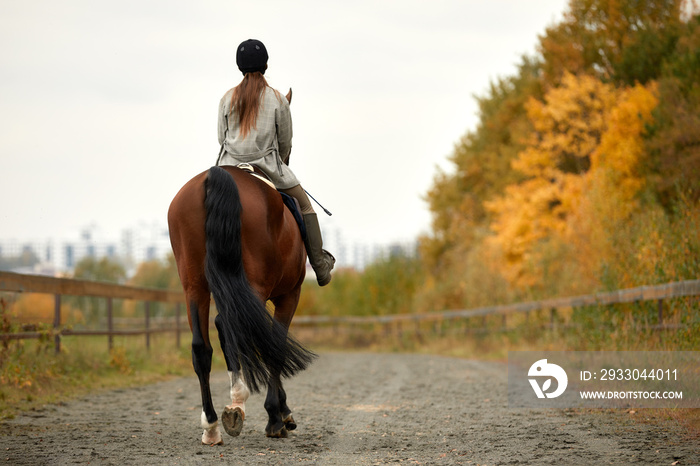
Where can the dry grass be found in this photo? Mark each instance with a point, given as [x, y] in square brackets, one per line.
[32, 375]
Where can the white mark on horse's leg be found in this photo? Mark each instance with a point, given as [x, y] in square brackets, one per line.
[212, 433]
[239, 391]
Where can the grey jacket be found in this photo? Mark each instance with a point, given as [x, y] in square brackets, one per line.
[268, 145]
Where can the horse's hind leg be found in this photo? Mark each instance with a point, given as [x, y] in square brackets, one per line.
[275, 425]
[201, 360]
[280, 419]
[234, 414]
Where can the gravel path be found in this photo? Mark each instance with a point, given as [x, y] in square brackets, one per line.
[351, 409]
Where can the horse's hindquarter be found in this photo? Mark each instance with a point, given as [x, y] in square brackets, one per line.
[294, 256]
[186, 217]
[282, 248]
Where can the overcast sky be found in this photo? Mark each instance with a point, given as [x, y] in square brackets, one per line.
[108, 107]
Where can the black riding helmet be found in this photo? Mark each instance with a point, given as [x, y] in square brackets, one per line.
[251, 56]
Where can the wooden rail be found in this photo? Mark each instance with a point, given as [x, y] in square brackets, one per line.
[63, 286]
[59, 287]
[66, 286]
[644, 293]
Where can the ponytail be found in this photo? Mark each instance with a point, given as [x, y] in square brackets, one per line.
[245, 99]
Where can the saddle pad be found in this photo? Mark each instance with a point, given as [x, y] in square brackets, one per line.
[293, 205]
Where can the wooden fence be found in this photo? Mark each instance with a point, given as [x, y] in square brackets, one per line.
[60, 287]
[657, 293]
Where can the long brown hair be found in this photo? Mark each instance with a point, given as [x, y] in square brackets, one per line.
[246, 100]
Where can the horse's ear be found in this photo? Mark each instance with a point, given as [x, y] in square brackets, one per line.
[289, 95]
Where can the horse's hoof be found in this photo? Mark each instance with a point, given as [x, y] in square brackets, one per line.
[280, 432]
[213, 444]
[289, 423]
[232, 419]
[212, 438]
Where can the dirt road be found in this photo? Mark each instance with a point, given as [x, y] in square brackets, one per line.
[351, 409]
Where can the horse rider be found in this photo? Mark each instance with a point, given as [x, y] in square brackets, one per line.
[255, 127]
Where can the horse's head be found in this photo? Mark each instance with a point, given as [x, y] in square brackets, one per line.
[289, 95]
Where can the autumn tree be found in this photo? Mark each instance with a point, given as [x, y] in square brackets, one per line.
[157, 274]
[582, 143]
[481, 164]
[612, 188]
[674, 140]
[103, 269]
[604, 38]
[92, 268]
[34, 308]
[568, 127]
[584, 170]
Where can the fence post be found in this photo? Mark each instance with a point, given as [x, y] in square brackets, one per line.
[552, 316]
[148, 319]
[57, 324]
[661, 313]
[110, 323]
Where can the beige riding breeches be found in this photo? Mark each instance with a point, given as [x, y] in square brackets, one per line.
[300, 195]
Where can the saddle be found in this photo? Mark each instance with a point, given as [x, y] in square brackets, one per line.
[256, 172]
[291, 202]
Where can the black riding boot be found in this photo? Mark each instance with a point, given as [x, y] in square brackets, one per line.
[321, 260]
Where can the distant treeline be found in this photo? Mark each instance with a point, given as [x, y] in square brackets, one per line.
[582, 175]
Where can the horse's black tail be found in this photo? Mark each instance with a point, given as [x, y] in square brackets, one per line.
[258, 343]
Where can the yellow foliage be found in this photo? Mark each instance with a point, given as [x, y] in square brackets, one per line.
[614, 181]
[119, 360]
[129, 308]
[568, 126]
[615, 163]
[582, 167]
[40, 308]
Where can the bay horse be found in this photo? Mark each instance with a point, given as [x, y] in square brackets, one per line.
[233, 237]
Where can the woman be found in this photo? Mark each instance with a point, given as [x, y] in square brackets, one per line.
[255, 126]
